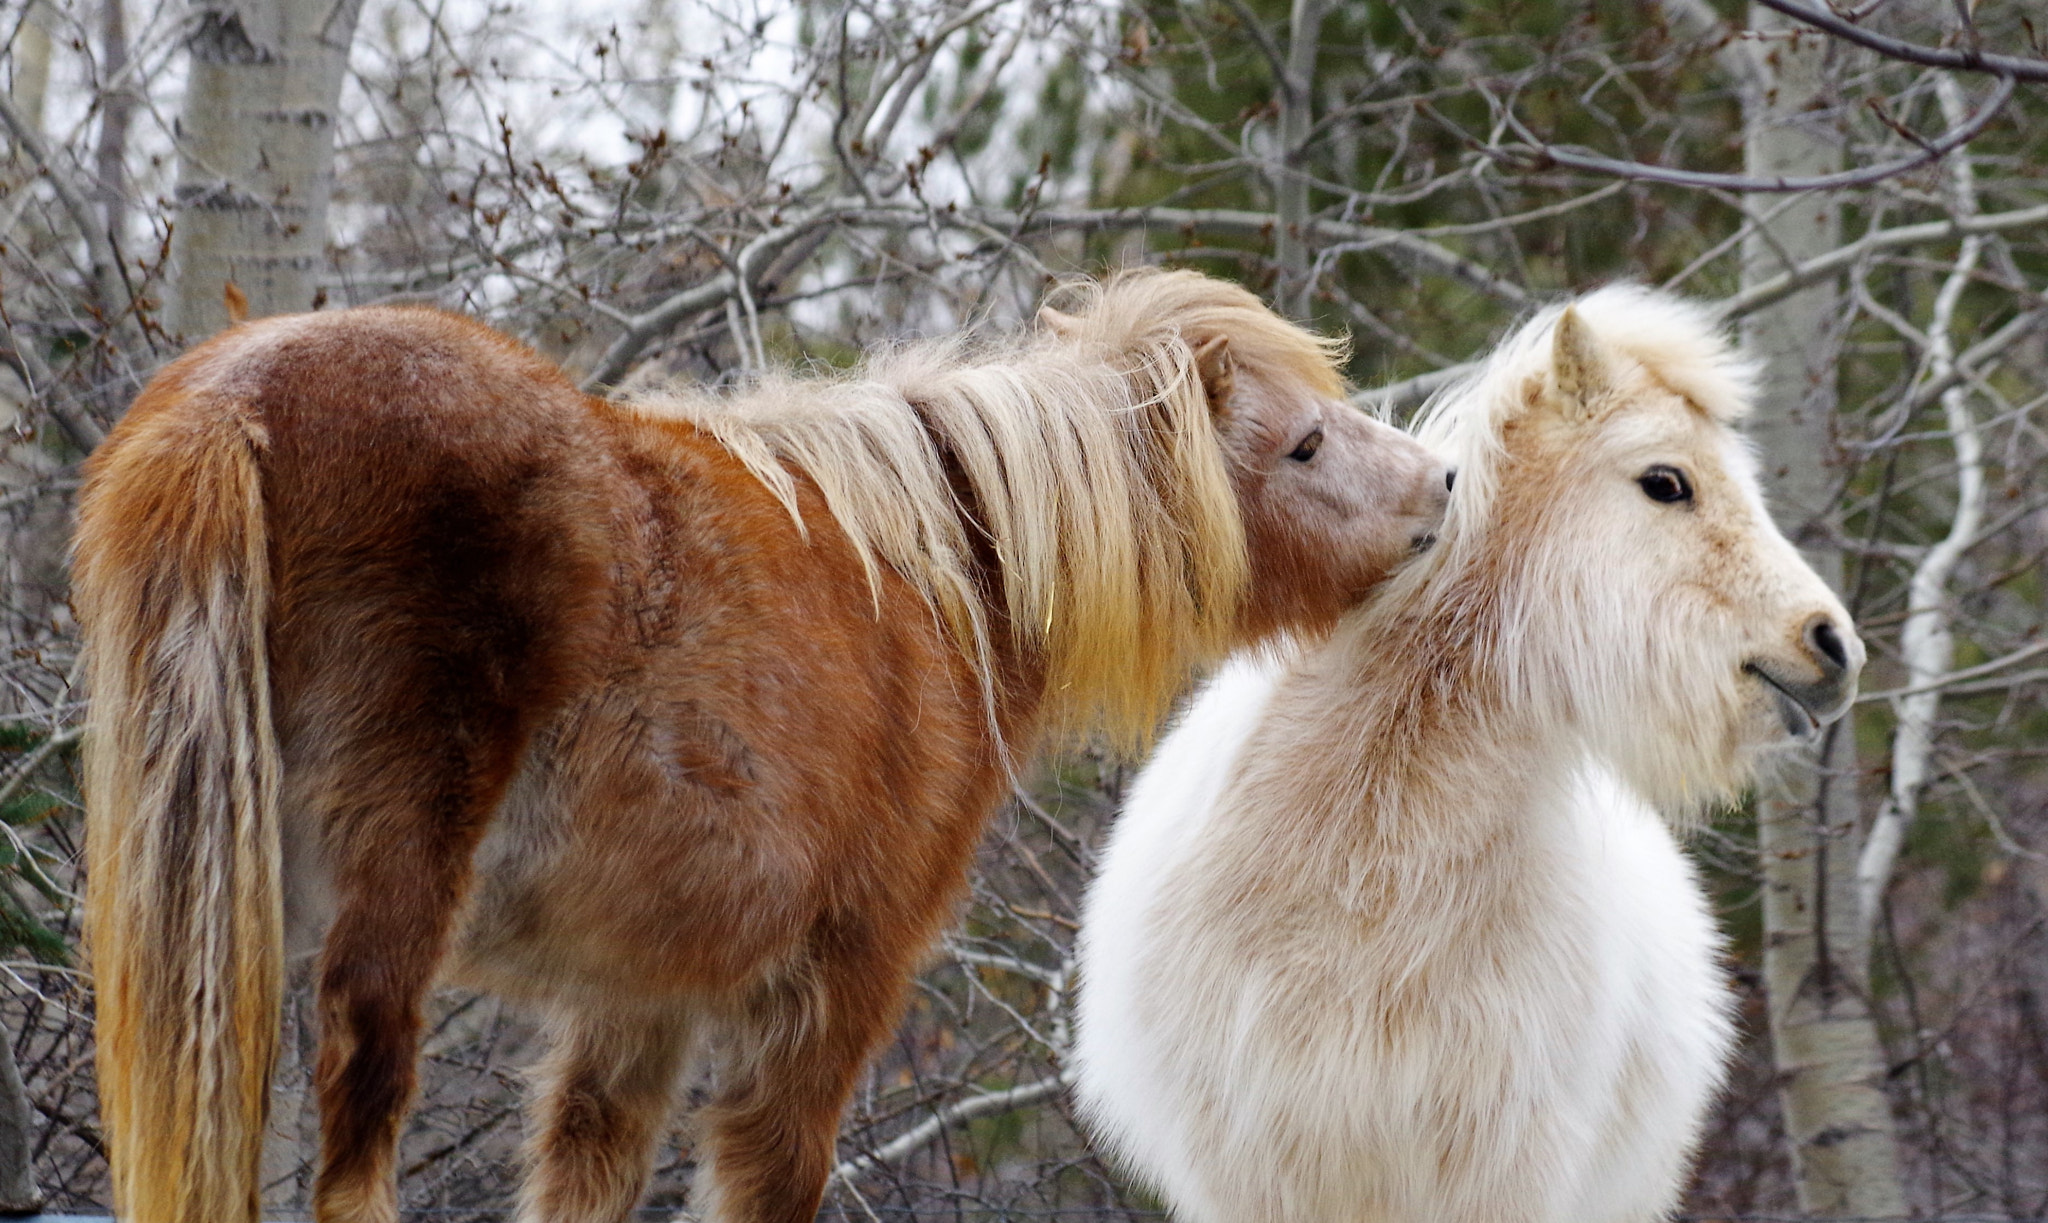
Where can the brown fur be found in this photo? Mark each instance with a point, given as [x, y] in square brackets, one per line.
[578, 701]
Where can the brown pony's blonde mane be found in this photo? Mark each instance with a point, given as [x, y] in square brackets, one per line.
[1135, 304]
[1093, 468]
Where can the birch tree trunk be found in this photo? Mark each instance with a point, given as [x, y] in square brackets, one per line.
[1290, 188]
[30, 82]
[117, 110]
[22, 464]
[255, 156]
[1823, 1040]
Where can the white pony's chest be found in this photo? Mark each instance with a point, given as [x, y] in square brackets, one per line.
[1650, 1065]
[1558, 1027]
[1550, 1043]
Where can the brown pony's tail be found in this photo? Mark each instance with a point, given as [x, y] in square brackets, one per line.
[184, 925]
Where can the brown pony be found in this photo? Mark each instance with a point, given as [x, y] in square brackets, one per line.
[677, 718]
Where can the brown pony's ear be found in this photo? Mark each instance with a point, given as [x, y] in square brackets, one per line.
[1579, 368]
[1218, 371]
[1062, 325]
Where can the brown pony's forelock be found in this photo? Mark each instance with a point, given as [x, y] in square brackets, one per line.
[1089, 467]
[1119, 313]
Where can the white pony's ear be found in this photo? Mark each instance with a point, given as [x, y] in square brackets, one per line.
[1218, 371]
[1062, 325]
[1579, 368]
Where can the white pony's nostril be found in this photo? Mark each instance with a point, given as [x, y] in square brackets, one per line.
[1450, 478]
[1824, 641]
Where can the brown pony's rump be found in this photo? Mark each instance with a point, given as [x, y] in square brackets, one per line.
[678, 719]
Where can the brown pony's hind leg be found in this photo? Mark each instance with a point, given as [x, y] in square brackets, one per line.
[400, 869]
[799, 1047]
[605, 1090]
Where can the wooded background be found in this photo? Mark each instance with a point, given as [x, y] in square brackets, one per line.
[659, 188]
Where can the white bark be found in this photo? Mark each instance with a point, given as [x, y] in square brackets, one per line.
[1926, 642]
[1823, 1040]
[30, 76]
[925, 1132]
[255, 156]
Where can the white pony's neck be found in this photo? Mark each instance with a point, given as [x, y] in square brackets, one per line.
[1446, 698]
[1431, 746]
[1421, 778]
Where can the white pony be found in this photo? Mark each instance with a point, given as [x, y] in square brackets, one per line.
[1392, 929]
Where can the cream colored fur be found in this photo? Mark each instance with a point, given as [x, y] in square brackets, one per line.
[185, 919]
[1394, 928]
[1119, 576]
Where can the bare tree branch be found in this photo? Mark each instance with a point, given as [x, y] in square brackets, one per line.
[110, 292]
[1927, 639]
[1822, 267]
[1542, 155]
[1968, 60]
[1411, 392]
[1961, 675]
[956, 1113]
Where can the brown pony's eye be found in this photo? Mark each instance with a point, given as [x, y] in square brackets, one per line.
[1306, 450]
[1665, 484]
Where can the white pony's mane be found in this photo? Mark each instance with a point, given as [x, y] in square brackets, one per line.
[1672, 342]
[1091, 464]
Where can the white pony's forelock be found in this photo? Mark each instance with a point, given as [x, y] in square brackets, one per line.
[1677, 343]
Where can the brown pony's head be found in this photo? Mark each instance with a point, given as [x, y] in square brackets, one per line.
[1329, 498]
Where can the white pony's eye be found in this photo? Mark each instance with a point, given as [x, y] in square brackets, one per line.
[1665, 484]
[1307, 448]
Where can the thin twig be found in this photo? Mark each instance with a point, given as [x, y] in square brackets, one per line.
[1953, 679]
[922, 1134]
[44, 750]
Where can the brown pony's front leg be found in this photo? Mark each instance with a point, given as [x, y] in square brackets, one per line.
[400, 871]
[800, 1045]
[605, 1090]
